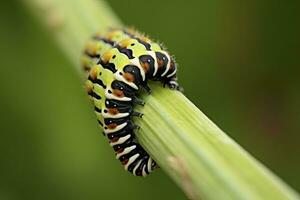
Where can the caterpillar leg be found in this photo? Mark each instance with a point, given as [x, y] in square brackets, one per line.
[147, 89]
[133, 126]
[131, 154]
[137, 114]
[136, 160]
[138, 101]
[172, 84]
[144, 166]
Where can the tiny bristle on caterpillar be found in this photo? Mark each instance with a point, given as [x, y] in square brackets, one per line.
[119, 63]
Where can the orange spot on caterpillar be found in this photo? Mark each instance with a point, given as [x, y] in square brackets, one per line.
[115, 139]
[118, 93]
[145, 66]
[160, 63]
[112, 126]
[120, 150]
[129, 77]
[124, 162]
[113, 111]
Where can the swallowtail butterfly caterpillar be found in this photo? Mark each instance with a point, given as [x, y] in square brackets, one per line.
[119, 63]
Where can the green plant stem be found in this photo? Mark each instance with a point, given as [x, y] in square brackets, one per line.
[190, 148]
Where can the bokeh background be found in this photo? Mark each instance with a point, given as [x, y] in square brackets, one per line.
[239, 63]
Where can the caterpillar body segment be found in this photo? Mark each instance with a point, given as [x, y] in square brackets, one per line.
[119, 64]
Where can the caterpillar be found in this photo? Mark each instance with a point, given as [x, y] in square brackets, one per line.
[118, 65]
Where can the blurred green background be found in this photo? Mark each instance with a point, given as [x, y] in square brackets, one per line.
[239, 63]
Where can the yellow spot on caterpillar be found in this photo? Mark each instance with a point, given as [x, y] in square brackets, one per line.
[106, 56]
[113, 34]
[139, 35]
[125, 43]
[85, 62]
[145, 39]
[88, 86]
[92, 47]
[94, 72]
